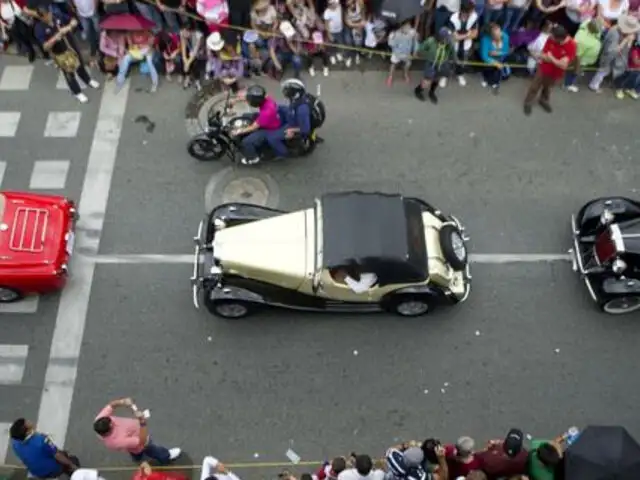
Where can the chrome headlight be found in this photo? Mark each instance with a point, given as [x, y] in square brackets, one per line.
[215, 271]
[219, 224]
[618, 266]
[64, 269]
[606, 217]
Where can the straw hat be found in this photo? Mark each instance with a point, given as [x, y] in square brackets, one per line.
[261, 4]
[628, 24]
[215, 42]
[287, 29]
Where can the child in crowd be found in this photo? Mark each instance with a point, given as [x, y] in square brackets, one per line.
[168, 44]
[334, 26]
[588, 46]
[403, 43]
[112, 50]
[315, 48]
[355, 21]
[535, 47]
[375, 32]
[439, 56]
[193, 55]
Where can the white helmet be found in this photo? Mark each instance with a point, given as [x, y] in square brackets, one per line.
[293, 88]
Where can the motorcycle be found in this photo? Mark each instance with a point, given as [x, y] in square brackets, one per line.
[217, 141]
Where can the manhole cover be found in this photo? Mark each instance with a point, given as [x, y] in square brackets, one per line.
[246, 190]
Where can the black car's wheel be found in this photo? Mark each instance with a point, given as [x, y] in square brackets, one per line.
[621, 305]
[232, 309]
[10, 295]
[453, 247]
[411, 306]
[206, 149]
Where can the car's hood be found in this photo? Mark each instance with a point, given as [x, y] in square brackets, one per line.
[276, 250]
[30, 230]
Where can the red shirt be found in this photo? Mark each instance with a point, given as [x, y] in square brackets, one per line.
[634, 58]
[458, 468]
[559, 51]
[497, 464]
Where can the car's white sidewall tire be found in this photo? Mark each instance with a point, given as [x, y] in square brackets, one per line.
[608, 306]
[17, 295]
[231, 309]
[402, 306]
[447, 247]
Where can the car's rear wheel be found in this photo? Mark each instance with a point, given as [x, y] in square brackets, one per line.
[412, 306]
[453, 247]
[232, 309]
[9, 295]
[622, 305]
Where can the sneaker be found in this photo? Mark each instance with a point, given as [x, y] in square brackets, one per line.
[620, 94]
[312, 71]
[433, 98]
[462, 81]
[347, 62]
[332, 59]
[594, 89]
[419, 93]
[632, 94]
[174, 453]
[442, 83]
[198, 86]
[48, 63]
[82, 98]
[573, 88]
[154, 88]
[94, 83]
[357, 59]
[250, 161]
[325, 71]
[389, 81]
[495, 89]
[339, 57]
[527, 110]
[484, 84]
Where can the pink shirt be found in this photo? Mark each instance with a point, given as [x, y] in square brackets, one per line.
[124, 435]
[268, 118]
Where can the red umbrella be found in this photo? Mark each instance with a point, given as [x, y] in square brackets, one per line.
[126, 22]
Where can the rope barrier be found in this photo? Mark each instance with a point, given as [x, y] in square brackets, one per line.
[360, 50]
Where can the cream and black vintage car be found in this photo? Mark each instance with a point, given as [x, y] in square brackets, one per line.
[249, 257]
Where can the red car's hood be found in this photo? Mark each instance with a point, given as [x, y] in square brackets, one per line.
[32, 229]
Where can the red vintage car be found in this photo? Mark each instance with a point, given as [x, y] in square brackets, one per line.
[37, 235]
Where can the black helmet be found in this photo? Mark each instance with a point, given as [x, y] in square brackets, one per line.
[255, 96]
[293, 88]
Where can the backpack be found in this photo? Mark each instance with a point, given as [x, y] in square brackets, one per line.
[318, 112]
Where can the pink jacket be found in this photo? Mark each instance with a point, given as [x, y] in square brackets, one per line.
[112, 47]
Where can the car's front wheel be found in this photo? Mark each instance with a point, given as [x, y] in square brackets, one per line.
[232, 309]
[411, 306]
[9, 295]
[622, 305]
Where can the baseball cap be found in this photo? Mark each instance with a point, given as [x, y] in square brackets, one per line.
[513, 442]
[413, 457]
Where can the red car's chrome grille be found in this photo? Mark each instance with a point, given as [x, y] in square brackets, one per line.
[29, 230]
[605, 248]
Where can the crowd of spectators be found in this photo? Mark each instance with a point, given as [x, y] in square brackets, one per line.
[226, 40]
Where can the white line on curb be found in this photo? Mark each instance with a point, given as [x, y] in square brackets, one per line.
[60, 379]
[477, 258]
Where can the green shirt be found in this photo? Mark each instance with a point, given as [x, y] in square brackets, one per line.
[436, 53]
[588, 46]
[536, 469]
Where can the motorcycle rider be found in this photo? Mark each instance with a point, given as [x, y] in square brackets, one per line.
[266, 122]
[296, 117]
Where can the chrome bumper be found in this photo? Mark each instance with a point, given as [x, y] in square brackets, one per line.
[576, 259]
[467, 269]
[196, 280]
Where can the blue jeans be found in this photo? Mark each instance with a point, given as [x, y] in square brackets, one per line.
[125, 64]
[275, 139]
[440, 18]
[251, 142]
[154, 452]
[91, 28]
[294, 59]
[628, 81]
[480, 7]
[491, 16]
[513, 18]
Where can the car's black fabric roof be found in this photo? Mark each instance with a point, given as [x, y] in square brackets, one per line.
[365, 228]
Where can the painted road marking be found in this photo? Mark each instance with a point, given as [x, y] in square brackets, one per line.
[49, 174]
[4, 441]
[61, 83]
[477, 258]
[13, 359]
[62, 124]
[16, 77]
[9, 123]
[62, 369]
[27, 305]
[3, 169]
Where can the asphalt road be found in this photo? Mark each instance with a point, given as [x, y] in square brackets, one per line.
[527, 350]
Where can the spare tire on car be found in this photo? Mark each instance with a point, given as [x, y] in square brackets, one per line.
[453, 247]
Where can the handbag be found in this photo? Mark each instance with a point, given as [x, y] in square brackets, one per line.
[68, 61]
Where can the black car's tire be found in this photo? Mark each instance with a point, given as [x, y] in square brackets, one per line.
[206, 149]
[10, 295]
[453, 247]
[411, 305]
[231, 309]
[621, 305]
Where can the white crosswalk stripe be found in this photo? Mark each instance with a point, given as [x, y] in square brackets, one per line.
[62, 124]
[16, 77]
[4, 441]
[27, 305]
[9, 122]
[13, 359]
[49, 174]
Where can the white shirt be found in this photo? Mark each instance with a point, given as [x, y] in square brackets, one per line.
[367, 280]
[265, 19]
[209, 465]
[8, 11]
[464, 27]
[334, 19]
[451, 5]
[608, 13]
[86, 8]
[352, 473]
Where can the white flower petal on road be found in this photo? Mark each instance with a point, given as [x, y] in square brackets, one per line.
[256, 455]
[426, 391]
[446, 384]
[442, 390]
[355, 353]
[477, 333]
[557, 350]
[209, 339]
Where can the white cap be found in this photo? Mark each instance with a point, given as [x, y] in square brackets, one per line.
[287, 29]
[85, 474]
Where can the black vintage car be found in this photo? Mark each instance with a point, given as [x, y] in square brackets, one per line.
[606, 252]
[249, 257]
